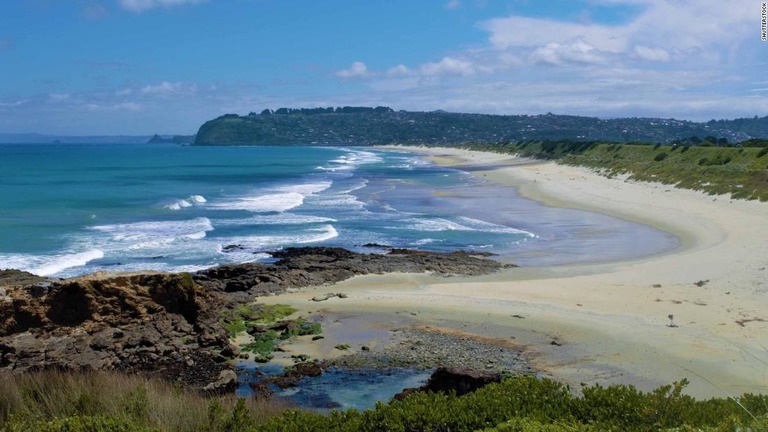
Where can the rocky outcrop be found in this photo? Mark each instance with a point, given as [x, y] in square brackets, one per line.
[458, 380]
[314, 266]
[150, 322]
[170, 324]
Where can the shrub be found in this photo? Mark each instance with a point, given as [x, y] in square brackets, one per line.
[660, 157]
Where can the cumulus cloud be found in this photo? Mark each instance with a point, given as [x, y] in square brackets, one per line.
[576, 51]
[664, 30]
[398, 71]
[516, 31]
[448, 66]
[357, 70]
[667, 58]
[143, 5]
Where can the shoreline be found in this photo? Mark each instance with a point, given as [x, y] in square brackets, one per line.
[603, 323]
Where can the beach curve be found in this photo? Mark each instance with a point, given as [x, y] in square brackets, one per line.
[603, 323]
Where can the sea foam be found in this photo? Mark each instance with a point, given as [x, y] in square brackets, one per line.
[278, 202]
[184, 203]
[56, 264]
[312, 235]
[151, 234]
[275, 219]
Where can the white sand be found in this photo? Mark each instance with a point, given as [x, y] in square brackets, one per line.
[611, 319]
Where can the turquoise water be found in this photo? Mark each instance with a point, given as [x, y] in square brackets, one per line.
[73, 209]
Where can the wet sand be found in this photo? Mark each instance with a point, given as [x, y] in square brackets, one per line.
[605, 322]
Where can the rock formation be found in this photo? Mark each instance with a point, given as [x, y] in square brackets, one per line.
[170, 324]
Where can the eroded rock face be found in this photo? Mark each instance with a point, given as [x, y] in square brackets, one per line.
[153, 322]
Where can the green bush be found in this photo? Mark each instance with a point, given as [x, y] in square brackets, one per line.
[76, 424]
[524, 404]
[660, 157]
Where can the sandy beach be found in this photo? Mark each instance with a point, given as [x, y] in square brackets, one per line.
[592, 323]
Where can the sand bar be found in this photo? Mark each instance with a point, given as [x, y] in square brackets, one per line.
[608, 322]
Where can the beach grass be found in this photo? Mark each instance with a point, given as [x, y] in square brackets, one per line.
[55, 400]
[741, 172]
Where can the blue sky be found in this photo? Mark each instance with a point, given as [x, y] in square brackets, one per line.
[166, 66]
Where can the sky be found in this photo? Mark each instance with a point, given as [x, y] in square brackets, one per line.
[135, 67]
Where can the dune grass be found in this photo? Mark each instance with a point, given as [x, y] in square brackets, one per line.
[53, 400]
[741, 172]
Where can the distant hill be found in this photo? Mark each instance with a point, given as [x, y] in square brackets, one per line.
[382, 125]
[33, 138]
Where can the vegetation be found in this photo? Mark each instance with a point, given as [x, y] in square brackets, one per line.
[98, 402]
[382, 125]
[267, 325]
[741, 172]
[249, 315]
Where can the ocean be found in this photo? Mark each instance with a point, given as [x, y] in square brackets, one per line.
[72, 209]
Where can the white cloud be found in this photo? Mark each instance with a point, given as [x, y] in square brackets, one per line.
[448, 66]
[671, 58]
[167, 88]
[143, 5]
[398, 71]
[519, 31]
[684, 27]
[453, 4]
[576, 51]
[652, 54]
[357, 70]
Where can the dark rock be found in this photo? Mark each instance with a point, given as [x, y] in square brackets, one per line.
[307, 369]
[315, 266]
[291, 376]
[261, 390]
[459, 380]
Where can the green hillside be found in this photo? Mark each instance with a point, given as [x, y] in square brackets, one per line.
[359, 126]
